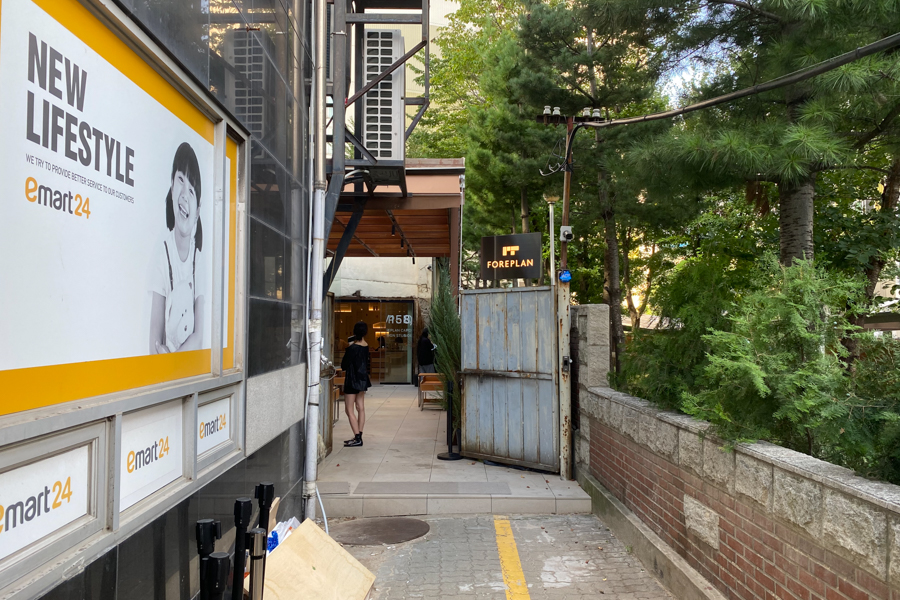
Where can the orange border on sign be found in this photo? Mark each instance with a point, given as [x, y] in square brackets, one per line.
[37, 387]
[231, 152]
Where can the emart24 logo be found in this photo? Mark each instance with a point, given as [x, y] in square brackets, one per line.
[34, 507]
[212, 426]
[137, 459]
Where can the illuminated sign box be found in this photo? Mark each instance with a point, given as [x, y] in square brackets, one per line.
[42, 498]
[151, 451]
[515, 256]
[213, 424]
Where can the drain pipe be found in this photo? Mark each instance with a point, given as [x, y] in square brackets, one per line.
[318, 260]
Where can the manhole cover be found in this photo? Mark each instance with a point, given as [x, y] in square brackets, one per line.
[374, 532]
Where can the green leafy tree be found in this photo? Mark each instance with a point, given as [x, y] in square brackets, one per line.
[455, 71]
[776, 374]
[507, 148]
[704, 268]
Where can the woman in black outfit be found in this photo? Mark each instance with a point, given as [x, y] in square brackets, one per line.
[425, 353]
[356, 364]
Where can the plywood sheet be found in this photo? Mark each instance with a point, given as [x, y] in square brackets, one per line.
[309, 564]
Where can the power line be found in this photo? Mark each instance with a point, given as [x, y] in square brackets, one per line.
[792, 78]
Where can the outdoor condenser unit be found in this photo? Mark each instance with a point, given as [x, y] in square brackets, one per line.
[251, 86]
[383, 112]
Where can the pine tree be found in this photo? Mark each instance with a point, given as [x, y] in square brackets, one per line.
[785, 138]
[577, 57]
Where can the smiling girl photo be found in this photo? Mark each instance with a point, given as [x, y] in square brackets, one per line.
[177, 306]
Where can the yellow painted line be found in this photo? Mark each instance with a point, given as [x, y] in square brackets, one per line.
[513, 576]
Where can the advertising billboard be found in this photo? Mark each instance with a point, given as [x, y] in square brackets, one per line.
[106, 179]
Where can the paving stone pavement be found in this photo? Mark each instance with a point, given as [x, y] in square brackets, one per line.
[562, 557]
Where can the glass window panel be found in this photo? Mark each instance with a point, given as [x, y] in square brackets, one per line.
[395, 332]
[268, 277]
[181, 26]
[268, 336]
[270, 197]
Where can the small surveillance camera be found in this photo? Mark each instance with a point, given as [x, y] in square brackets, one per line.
[565, 233]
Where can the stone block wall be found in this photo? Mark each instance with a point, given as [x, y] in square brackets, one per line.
[759, 521]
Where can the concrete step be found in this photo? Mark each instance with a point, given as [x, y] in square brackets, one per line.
[440, 498]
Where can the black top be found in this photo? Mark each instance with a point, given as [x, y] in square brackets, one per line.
[356, 364]
[425, 351]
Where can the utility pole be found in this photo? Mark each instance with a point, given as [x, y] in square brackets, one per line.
[563, 295]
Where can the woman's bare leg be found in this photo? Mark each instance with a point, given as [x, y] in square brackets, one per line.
[359, 401]
[349, 403]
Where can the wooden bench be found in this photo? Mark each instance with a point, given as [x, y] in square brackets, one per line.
[431, 390]
[337, 392]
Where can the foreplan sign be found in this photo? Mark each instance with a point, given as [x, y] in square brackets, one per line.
[515, 256]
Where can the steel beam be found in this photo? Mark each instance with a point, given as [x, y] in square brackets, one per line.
[399, 62]
[341, 251]
[416, 119]
[384, 19]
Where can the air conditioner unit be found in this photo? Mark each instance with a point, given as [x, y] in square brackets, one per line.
[251, 84]
[383, 109]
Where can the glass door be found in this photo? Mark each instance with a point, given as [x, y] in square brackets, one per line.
[346, 314]
[394, 335]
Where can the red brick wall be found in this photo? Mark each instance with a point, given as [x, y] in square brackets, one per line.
[758, 557]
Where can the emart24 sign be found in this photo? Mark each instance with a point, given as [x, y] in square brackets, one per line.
[41, 498]
[151, 452]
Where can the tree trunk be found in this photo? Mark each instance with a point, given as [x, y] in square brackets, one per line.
[890, 199]
[617, 332]
[645, 297]
[795, 219]
[523, 207]
[626, 281]
[526, 221]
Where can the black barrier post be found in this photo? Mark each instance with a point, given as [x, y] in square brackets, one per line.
[450, 454]
[208, 531]
[242, 509]
[265, 494]
[257, 539]
[218, 564]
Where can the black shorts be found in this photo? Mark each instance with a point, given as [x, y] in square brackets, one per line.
[350, 390]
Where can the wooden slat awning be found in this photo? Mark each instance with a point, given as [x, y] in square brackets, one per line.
[425, 220]
[427, 231]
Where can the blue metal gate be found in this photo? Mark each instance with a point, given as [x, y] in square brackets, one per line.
[510, 404]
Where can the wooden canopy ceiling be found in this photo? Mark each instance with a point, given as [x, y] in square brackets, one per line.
[420, 232]
[423, 223]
